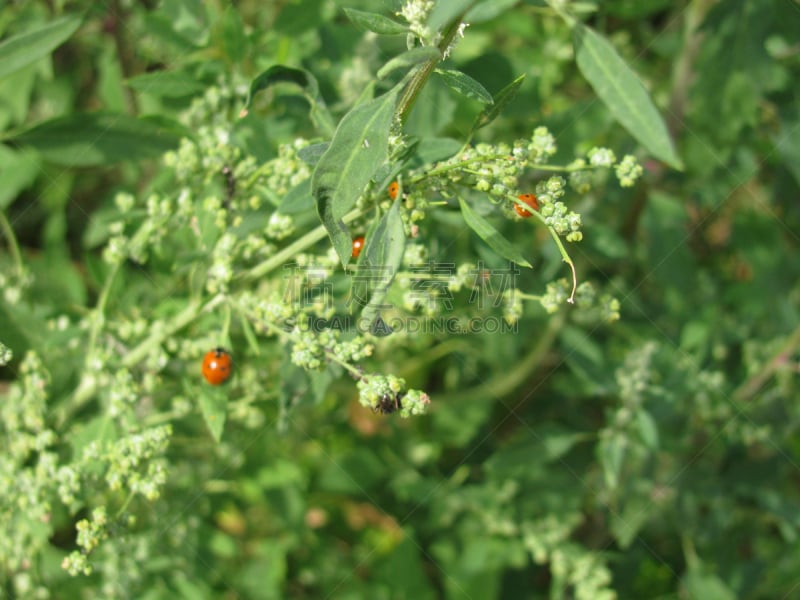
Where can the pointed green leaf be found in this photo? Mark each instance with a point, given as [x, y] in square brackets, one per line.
[409, 58]
[298, 199]
[444, 12]
[380, 261]
[700, 584]
[168, 84]
[214, 405]
[502, 99]
[18, 171]
[305, 81]
[23, 49]
[465, 85]
[611, 452]
[375, 22]
[92, 139]
[621, 91]
[359, 147]
[491, 236]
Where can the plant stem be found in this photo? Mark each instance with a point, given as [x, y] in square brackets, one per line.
[753, 385]
[308, 240]
[181, 320]
[13, 246]
[506, 382]
[423, 71]
[275, 328]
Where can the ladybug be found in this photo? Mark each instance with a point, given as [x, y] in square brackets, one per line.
[393, 189]
[217, 366]
[358, 246]
[531, 201]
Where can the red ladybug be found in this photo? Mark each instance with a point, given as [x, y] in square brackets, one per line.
[217, 366]
[531, 201]
[358, 246]
[393, 189]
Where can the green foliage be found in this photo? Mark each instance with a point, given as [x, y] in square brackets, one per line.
[426, 419]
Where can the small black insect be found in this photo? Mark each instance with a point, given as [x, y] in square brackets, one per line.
[389, 403]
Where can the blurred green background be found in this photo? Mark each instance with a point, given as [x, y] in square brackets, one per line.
[658, 457]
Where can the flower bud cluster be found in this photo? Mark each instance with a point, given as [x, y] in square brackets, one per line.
[24, 410]
[90, 534]
[416, 12]
[628, 170]
[583, 571]
[14, 284]
[221, 270]
[5, 354]
[284, 172]
[595, 308]
[133, 462]
[512, 306]
[556, 214]
[313, 350]
[388, 394]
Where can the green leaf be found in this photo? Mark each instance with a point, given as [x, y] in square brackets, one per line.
[298, 199]
[375, 22]
[23, 49]
[92, 139]
[502, 99]
[305, 81]
[707, 586]
[358, 149]
[445, 12]
[465, 85]
[311, 154]
[488, 10]
[380, 261]
[214, 405]
[626, 521]
[18, 171]
[432, 149]
[621, 91]
[409, 58]
[167, 84]
[234, 38]
[491, 236]
[611, 452]
[648, 430]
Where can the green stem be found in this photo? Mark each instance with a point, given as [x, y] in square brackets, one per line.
[308, 240]
[423, 72]
[506, 382]
[181, 320]
[98, 319]
[273, 327]
[754, 384]
[13, 246]
[564, 255]
[88, 385]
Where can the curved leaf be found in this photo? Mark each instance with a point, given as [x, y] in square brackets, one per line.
[359, 147]
[92, 139]
[21, 50]
[380, 261]
[444, 13]
[491, 236]
[375, 22]
[465, 85]
[214, 406]
[502, 99]
[169, 84]
[301, 78]
[621, 91]
[409, 58]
